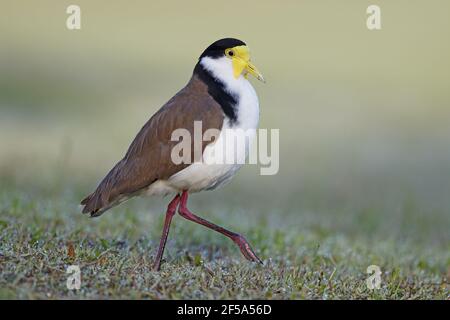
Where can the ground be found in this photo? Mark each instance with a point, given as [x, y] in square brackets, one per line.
[42, 233]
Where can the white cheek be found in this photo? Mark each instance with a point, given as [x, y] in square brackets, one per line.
[221, 68]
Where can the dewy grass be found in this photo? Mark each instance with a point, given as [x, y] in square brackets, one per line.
[40, 237]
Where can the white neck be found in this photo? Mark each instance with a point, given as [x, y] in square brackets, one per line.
[247, 106]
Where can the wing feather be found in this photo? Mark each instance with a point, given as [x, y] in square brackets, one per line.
[148, 158]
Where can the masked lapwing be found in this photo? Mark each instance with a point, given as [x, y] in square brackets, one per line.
[220, 97]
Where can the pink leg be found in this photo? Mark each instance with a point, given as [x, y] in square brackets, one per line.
[171, 209]
[244, 246]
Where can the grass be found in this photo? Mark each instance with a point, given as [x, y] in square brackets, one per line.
[42, 233]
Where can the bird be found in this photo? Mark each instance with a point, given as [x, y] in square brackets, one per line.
[220, 96]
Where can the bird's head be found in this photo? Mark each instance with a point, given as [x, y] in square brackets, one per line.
[230, 55]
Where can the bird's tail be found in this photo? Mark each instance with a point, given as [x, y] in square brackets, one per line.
[106, 196]
[92, 204]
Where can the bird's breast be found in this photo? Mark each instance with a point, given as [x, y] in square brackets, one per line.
[247, 106]
[224, 157]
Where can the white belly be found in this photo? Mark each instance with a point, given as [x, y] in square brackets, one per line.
[221, 161]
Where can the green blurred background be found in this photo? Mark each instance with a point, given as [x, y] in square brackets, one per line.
[364, 116]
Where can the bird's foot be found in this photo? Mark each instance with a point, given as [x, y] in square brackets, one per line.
[246, 249]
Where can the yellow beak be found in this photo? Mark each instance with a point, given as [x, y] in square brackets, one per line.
[242, 65]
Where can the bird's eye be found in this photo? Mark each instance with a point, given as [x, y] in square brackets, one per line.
[230, 53]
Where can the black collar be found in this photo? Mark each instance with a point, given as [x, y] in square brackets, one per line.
[216, 89]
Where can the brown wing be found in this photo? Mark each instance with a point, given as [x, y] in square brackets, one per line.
[148, 157]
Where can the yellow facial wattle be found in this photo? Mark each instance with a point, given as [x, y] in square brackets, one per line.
[240, 57]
